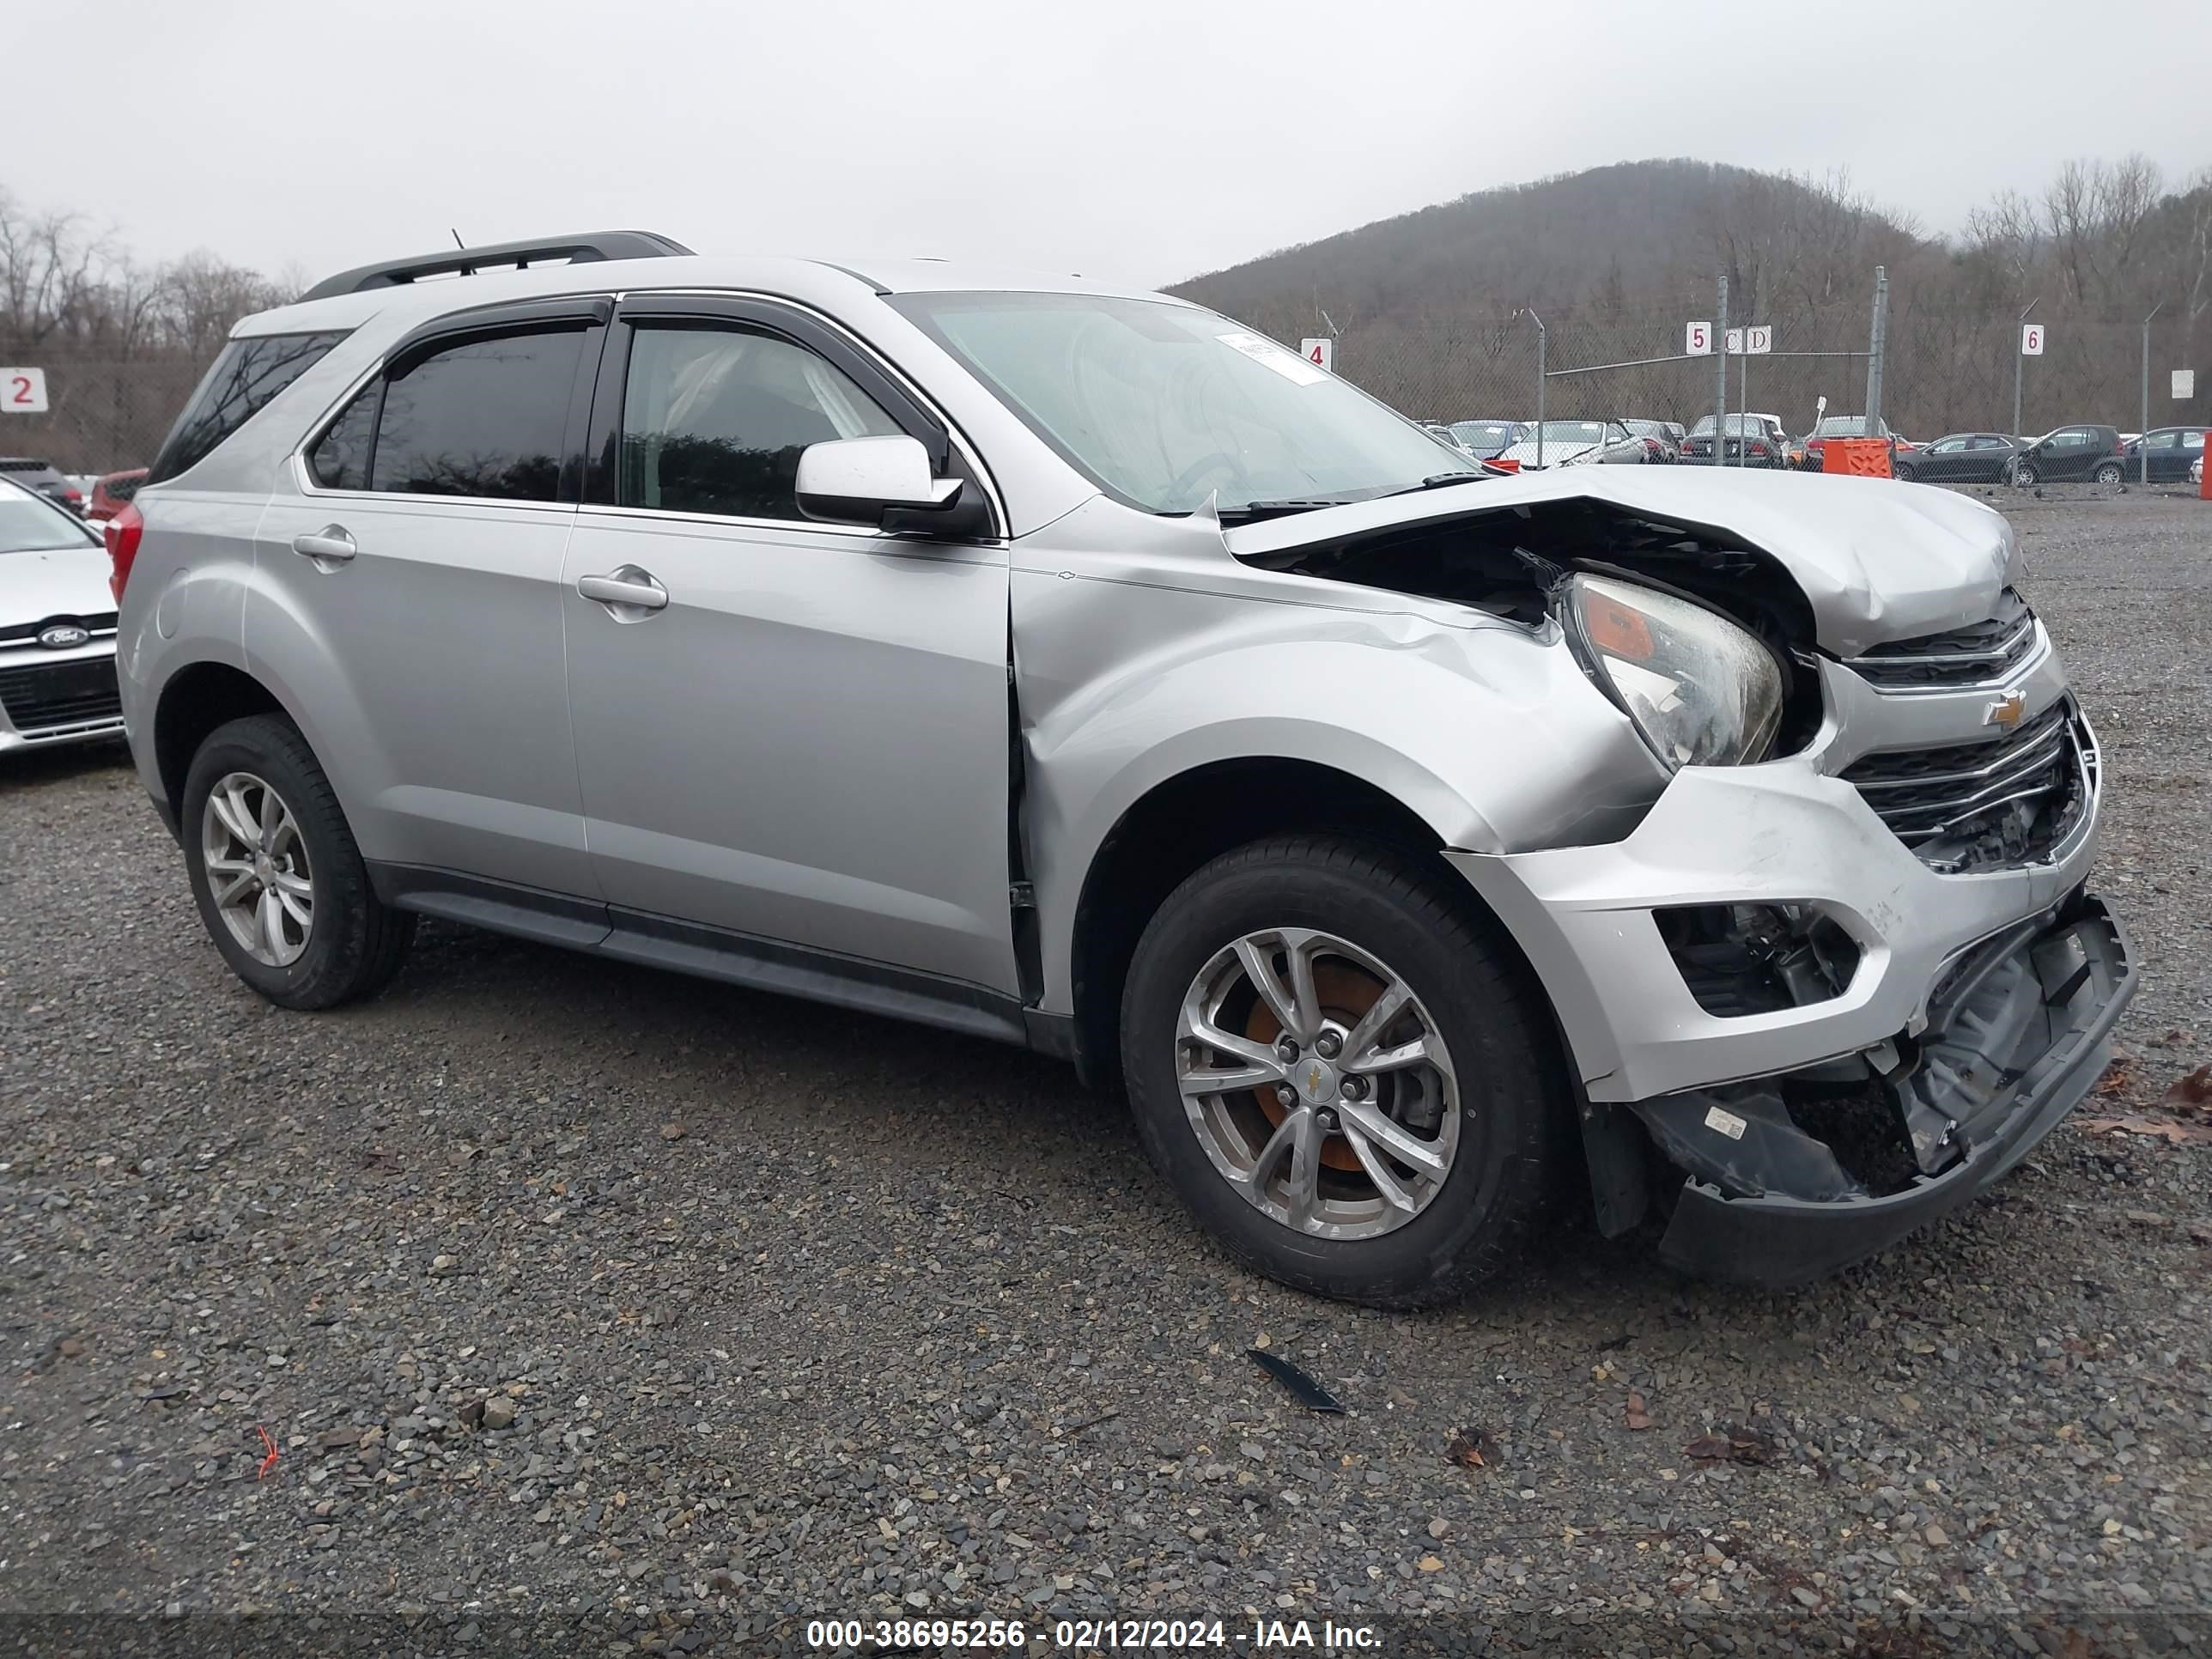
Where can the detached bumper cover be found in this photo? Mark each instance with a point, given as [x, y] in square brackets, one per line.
[2083, 973]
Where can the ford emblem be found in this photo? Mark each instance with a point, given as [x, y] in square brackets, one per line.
[62, 636]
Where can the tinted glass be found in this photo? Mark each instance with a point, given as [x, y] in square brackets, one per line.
[1167, 405]
[2162, 441]
[239, 386]
[484, 418]
[31, 523]
[713, 420]
[339, 459]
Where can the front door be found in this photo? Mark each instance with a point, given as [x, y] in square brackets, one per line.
[788, 733]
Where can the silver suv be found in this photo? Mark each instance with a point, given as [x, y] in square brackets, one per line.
[1079, 669]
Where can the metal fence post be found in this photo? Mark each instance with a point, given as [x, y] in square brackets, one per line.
[2143, 431]
[1720, 391]
[2019, 362]
[1743, 396]
[1875, 342]
[1541, 344]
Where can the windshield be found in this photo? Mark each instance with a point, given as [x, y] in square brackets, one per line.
[31, 523]
[1163, 405]
[1574, 432]
[1480, 435]
[1841, 426]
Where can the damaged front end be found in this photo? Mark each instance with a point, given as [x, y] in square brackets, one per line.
[1787, 1177]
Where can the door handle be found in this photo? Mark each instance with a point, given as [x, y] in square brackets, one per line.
[625, 587]
[331, 544]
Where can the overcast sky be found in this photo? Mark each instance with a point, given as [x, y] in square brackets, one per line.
[1136, 140]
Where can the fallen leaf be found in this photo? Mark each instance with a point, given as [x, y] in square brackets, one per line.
[1430, 1564]
[1639, 1415]
[2176, 1039]
[2134, 1123]
[1472, 1449]
[2191, 1093]
[1744, 1446]
[2116, 1078]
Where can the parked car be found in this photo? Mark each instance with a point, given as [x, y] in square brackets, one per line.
[113, 491]
[2163, 454]
[1661, 440]
[1960, 458]
[41, 476]
[2196, 470]
[1576, 443]
[2070, 453]
[1071, 666]
[56, 626]
[1813, 452]
[1752, 442]
[1487, 439]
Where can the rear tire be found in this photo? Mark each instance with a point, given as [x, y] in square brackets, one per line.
[2109, 473]
[1502, 1085]
[2023, 475]
[289, 904]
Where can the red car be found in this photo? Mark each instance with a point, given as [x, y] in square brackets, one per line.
[112, 493]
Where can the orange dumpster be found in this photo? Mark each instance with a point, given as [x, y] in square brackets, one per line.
[1861, 458]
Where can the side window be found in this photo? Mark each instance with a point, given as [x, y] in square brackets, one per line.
[2162, 441]
[713, 420]
[1948, 447]
[240, 383]
[2193, 439]
[339, 458]
[483, 417]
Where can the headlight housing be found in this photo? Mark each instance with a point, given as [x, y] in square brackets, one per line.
[1700, 690]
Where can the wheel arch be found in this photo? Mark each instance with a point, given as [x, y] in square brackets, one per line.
[1184, 821]
[194, 701]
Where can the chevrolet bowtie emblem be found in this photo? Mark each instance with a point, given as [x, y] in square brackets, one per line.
[1313, 1081]
[2006, 713]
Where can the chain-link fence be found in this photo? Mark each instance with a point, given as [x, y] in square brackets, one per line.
[1944, 369]
[102, 416]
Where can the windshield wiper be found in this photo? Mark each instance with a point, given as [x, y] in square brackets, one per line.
[1436, 481]
[1278, 509]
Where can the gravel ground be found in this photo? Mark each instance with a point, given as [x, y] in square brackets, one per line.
[566, 1291]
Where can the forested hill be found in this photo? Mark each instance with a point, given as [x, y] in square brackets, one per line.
[1636, 235]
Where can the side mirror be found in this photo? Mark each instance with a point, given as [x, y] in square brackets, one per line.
[885, 484]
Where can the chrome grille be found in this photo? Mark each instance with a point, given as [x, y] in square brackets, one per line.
[1968, 805]
[1981, 653]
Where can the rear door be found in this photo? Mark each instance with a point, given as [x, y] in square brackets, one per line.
[805, 741]
[408, 597]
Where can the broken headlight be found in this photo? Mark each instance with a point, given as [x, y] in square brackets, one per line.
[1703, 691]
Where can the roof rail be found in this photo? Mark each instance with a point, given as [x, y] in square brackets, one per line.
[464, 261]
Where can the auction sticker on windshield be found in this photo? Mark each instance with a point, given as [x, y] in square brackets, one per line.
[1286, 363]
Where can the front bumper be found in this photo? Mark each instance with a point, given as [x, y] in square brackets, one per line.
[2081, 971]
[1969, 1085]
[1789, 832]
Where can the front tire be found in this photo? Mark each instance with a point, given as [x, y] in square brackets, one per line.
[1340, 1070]
[279, 881]
[2023, 475]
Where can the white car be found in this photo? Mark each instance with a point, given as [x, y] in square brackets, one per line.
[1574, 443]
[2196, 470]
[56, 627]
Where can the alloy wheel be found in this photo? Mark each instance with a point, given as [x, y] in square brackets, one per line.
[257, 867]
[1320, 1088]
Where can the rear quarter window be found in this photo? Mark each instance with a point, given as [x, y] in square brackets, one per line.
[240, 384]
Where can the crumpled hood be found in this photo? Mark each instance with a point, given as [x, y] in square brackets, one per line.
[69, 581]
[1877, 560]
